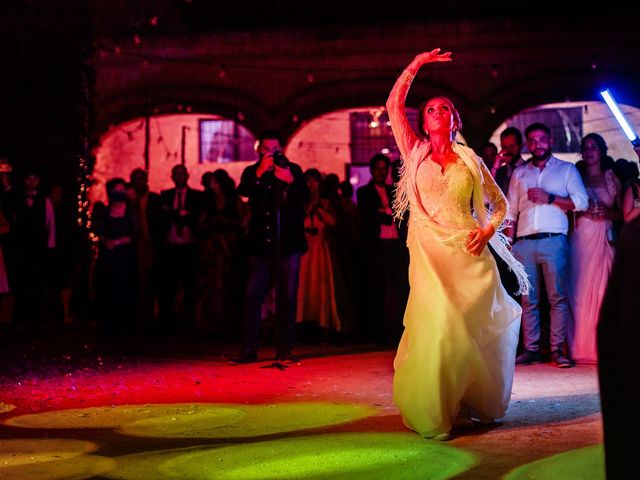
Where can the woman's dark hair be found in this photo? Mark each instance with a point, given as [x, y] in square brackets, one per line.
[457, 121]
[490, 145]
[113, 182]
[626, 171]
[227, 185]
[228, 193]
[606, 162]
[602, 145]
[313, 173]
[205, 179]
[346, 189]
[537, 126]
[379, 157]
[329, 186]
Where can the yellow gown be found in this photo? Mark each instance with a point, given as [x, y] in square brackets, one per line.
[457, 352]
[461, 327]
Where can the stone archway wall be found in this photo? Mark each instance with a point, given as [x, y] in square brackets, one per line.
[282, 77]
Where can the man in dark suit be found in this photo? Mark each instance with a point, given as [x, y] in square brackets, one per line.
[385, 255]
[277, 192]
[508, 158]
[180, 208]
[32, 222]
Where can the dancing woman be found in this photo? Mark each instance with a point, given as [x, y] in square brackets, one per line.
[456, 357]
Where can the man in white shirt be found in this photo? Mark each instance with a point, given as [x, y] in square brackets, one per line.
[540, 192]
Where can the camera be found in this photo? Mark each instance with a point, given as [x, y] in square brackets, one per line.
[280, 160]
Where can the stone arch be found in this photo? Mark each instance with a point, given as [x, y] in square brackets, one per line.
[333, 96]
[205, 99]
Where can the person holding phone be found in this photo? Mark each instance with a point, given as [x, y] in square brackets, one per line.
[508, 158]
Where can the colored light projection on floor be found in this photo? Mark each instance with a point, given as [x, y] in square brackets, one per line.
[5, 407]
[283, 441]
[584, 463]
[229, 441]
[355, 456]
[50, 459]
[211, 421]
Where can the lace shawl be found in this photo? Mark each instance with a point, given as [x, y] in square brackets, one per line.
[407, 194]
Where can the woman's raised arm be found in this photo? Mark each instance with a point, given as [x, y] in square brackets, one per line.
[405, 137]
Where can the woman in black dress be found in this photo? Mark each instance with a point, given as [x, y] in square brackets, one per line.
[116, 264]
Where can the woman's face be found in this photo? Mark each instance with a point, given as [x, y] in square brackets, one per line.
[591, 153]
[131, 194]
[214, 185]
[438, 115]
[313, 184]
[118, 193]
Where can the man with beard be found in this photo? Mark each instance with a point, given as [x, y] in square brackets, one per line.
[508, 158]
[540, 192]
[504, 164]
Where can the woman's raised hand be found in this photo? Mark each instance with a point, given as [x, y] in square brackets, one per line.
[432, 56]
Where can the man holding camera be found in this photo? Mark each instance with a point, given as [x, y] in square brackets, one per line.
[277, 193]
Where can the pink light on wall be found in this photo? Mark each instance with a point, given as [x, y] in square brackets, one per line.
[122, 149]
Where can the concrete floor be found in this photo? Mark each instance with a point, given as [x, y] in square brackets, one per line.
[82, 412]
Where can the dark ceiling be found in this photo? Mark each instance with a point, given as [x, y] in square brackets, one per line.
[123, 17]
[543, 50]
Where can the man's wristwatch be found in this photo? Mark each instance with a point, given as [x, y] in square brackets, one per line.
[551, 198]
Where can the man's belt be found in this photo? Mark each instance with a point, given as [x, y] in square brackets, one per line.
[539, 236]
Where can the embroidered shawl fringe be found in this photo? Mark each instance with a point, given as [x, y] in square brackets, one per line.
[406, 194]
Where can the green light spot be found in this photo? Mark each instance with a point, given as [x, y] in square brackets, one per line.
[211, 421]
[584, 463]
[368, 456]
